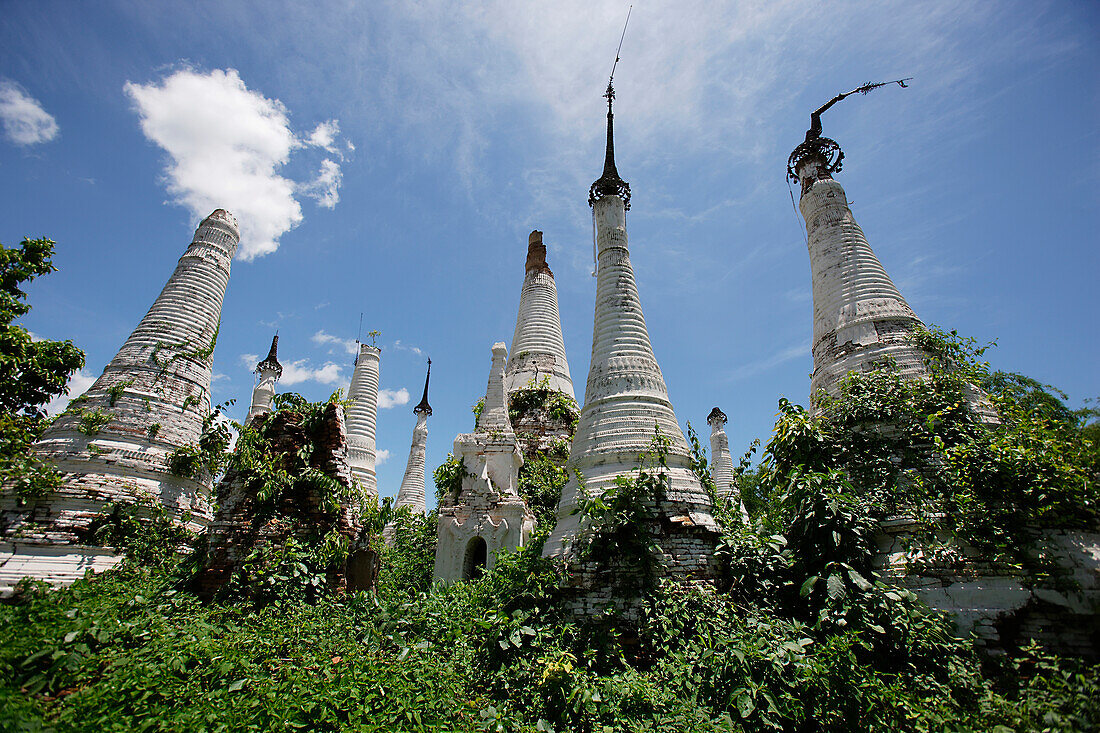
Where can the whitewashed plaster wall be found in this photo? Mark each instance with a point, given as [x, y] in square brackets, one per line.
[362, 416]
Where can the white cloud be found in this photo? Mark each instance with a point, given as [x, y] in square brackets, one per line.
[78, 385]
[327, 339]
[325, 188]
[324, 136]
[226, 146]
[25, 122]
[388, 398]
[300, 371]
[381, 456]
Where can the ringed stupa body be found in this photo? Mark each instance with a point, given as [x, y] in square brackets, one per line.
[114, 442]
[362, 417]
[626, 399]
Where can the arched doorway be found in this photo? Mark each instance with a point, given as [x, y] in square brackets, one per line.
[477, 554]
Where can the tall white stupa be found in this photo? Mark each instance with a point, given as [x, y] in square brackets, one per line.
[860, 317]
[113, 443]
[625, 398]
[362, 416]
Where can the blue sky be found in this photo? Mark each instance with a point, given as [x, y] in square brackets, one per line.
[390, 159]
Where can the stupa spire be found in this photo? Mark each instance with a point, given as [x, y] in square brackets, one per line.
[269, 370]
[860, 317]
[538, 349]
[609, 183]
[626, 400]
[362, 415]
[113, 443]
[411, 493]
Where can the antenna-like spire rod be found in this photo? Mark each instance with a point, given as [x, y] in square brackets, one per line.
[620, 48]
[815, 116]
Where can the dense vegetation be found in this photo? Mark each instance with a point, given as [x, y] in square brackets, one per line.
[801, 635]
[32, 370]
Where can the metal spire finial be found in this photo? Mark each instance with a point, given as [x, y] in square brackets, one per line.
[424, 407]
[823, 147]
[609, 183]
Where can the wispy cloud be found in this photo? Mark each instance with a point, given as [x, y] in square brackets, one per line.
[782, 356]
[25, 121]
[226, 146]
[381, 455]
[78, 385]
[388, 398]
[321, 338]
[398, 346]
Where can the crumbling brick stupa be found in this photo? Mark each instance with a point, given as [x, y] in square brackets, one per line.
[113, 443]
[245, 523]
[626, 402]
[487, 516]
[541, 403]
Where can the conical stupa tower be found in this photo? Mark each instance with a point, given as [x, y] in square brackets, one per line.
[264, 392]
[411, 493]
[626, 398]
[362, 416]
[721, 463]
[538, 349]
[113, 443]
[860, 317]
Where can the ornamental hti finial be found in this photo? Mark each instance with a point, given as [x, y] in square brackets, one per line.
[272, 360]
[822, 147]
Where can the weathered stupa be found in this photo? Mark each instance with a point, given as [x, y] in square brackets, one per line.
[362, 415]
[487, 515]
[626, 399]
[860, 317]
[113, 443]
[264, 392]
[721, 463]
[538, 349]
[411, 493]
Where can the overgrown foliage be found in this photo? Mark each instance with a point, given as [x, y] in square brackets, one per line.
[210, 454]
[32, 371]
[919, 448]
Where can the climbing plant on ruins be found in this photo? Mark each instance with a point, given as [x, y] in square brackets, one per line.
[31, 371]
[919, 450]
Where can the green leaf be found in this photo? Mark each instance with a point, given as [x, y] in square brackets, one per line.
[808, 586]
[237, 685]
[835, 586]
